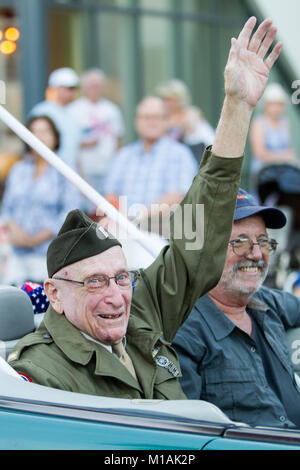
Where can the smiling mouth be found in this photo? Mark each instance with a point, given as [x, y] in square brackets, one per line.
[250, 269]
[110, 317]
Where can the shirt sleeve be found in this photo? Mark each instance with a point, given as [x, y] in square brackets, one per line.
[193, 262]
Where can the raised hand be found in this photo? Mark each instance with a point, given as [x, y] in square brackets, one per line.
[247, 71]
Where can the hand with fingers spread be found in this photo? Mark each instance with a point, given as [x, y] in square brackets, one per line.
[247, 69]
[246, 75]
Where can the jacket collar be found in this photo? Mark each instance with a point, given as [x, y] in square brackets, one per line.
[68, 338]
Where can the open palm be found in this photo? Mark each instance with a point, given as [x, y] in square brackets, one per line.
[246, 72]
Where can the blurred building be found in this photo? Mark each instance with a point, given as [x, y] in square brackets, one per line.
[138, 43]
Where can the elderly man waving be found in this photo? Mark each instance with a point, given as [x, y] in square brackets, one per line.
[100, 337]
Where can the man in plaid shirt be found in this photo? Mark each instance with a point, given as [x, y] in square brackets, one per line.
[154, 169]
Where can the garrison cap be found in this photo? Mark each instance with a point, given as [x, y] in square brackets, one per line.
[78, 238]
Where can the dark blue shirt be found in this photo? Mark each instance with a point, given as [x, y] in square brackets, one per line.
[222, 364]
[277, 376]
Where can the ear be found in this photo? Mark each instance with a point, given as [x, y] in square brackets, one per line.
[54, 295]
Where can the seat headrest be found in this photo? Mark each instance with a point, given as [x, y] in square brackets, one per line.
[16, 313]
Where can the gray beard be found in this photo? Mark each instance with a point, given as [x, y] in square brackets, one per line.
[234, 287]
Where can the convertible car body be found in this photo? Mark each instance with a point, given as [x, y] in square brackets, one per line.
[37, 417]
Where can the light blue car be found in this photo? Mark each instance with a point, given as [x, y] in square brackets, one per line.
[34, 417]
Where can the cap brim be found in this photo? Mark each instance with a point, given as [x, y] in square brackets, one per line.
[273, 218]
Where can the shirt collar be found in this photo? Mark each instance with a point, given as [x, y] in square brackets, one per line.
[89, 338]
[106, 346]
[220, 325]
[161, 141]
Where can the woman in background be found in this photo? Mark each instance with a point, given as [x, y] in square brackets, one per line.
[35, 203]
[186, 122]
[270, 135]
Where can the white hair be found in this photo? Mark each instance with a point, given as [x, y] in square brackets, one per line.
[174, 88]
[94, 72]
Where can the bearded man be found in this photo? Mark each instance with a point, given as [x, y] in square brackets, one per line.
[232, 348]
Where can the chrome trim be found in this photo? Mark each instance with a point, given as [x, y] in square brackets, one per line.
[272, 435]
[118, 416]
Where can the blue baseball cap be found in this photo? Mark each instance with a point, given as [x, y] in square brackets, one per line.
[247, 205]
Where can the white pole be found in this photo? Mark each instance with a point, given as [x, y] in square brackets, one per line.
[153, 246]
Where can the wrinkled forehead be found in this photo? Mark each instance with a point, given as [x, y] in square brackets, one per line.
[108, 262]
[151, 105]
[253, 225]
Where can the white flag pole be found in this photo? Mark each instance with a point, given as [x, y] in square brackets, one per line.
[152, 245]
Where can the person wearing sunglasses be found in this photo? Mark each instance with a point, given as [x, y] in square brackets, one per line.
[104, 333]
[232, 348]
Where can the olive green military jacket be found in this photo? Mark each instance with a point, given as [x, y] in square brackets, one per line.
[59, 356]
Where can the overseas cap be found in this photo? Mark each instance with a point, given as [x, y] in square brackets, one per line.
[78, 238]
[247, 205]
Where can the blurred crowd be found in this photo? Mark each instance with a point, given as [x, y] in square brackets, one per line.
[87, 130]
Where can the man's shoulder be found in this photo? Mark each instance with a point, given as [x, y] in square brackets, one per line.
[20, 167]
[175, 148]
[37, 359]
[129, 149]
[108, 105]
[77, 104]
[44, 106]
[26, 344]
[51, 109]
[273, 297]
[200, 308]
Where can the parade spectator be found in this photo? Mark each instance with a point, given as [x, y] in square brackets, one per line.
[63, 84]
[198, 133]
[186, 122]
[155, 169]
[270, 135]
[177, 98]
[101, 124]
[232, 348]
[35, 202]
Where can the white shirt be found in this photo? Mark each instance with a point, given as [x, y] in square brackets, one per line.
[101, 121]
[106, 346]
